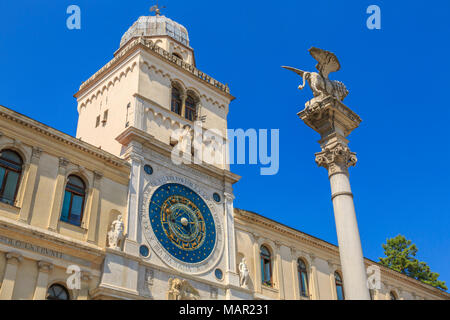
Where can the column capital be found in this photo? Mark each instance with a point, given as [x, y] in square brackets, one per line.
[255, 236]
[63, 162]
[336, 157]
[332, 265]
[13, 258]
[86, 276]
[36, 153]
[229, 197]
[98, 175]
[45, 266]
[278, 244]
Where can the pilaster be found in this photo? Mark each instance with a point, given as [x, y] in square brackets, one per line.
[85, 282]
[136, 160]
[230, 252]
[257, 264]
[93, 212]
[58, 194]
[314, 281]
[13, 261]
[32, 169]
[44, 269]
[280, 278]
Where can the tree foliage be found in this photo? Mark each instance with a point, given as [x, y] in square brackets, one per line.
[401, 256]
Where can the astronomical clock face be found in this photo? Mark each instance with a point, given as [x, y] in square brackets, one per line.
[182, 223]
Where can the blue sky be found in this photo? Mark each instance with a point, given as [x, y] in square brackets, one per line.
[397, 77]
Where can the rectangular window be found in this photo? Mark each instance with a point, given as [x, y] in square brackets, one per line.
[66, 206]
[2, 175]
[340, 293]
[12, 180]
[97, 122]
[76, 210]
[304, 284]
[127, 123]
[105, 117]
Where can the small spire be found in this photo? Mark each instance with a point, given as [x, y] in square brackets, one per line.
[157, 9]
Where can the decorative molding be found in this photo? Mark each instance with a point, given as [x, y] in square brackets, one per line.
[63, 162]
[45, 266]
[150, 47]
[13, 257]
[336, 156]
[36, 152]
[64, 138]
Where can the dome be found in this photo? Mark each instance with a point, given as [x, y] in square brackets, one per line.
[156, 26]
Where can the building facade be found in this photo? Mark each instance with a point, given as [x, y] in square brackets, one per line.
[108, 214]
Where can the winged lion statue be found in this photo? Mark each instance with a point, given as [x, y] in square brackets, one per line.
[321, 86]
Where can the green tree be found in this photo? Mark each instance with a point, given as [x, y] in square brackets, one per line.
[400, 256]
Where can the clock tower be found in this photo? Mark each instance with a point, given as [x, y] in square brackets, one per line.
[141, 106]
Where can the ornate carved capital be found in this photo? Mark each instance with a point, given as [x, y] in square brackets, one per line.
[13, 258]
[229, 197]
[63, 162]
[336, 157]
[255, 237]
[98, 175]
[278, 245]
[36, 153]
[86, 276]
[45, 266]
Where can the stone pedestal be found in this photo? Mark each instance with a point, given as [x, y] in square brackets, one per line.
[334, 122]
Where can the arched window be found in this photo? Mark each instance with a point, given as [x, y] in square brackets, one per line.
[73, 205]
[57, 292]
[266, 266]
[339, 286]
[176, 101]
[191, 108]
[10, 173]
[302, 278]
[393, 295]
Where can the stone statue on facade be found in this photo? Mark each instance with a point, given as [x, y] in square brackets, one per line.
[244, 274]
[116, 234]
[321, 86]
[181, 290]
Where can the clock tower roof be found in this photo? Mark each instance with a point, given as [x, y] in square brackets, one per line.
[151, 26]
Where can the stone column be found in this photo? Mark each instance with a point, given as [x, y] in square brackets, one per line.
[232, 274]
[30, 184]
[134, 198]
[40, 293]
[93, 208]
[58, 195]
[280, 279]
[335, 121]
[12, 264]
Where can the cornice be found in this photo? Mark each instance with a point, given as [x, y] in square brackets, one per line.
[55, 239]
[134, 134]
[59, 136]
[256, 219]
[148, 46]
